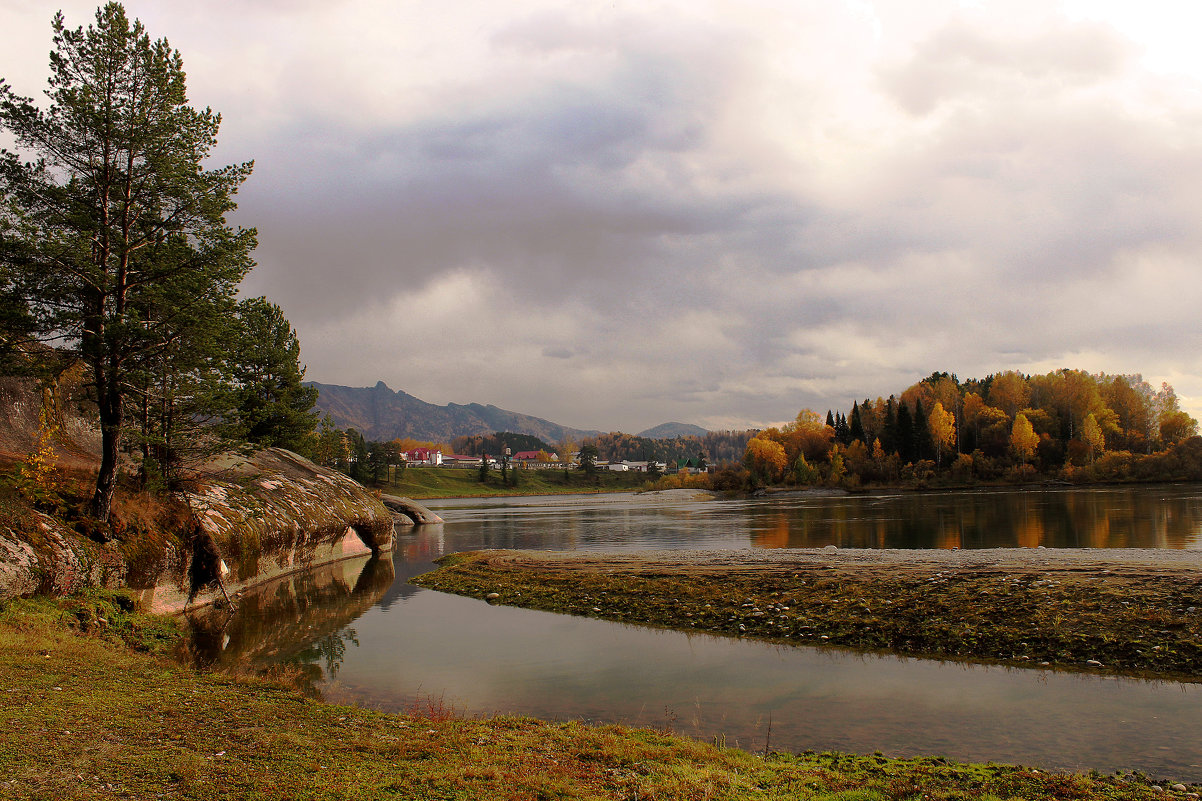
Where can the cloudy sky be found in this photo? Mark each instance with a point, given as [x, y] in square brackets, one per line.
[614, 214]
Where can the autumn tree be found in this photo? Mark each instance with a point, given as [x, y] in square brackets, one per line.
[766, 459]
[806, 435]
[565, 448]
[1010, 392]
[1023, 439]
[1174, 425]
[1131, 398]
[116, 211]
[942, 425]
[1091, 435]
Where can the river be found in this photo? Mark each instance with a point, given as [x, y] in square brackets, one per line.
[365, 636]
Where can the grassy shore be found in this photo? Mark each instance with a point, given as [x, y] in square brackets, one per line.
[94, 708]
[1018, 606]
[445, 482]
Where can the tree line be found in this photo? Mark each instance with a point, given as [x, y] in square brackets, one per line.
[714, 448]
[1069, 424]
[117, 260]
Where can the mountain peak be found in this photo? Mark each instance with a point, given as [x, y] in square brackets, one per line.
[382, 414]
[673, 430]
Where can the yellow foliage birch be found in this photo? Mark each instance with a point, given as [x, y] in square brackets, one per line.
[1023, 439]
[1091, 435]
[942, 425]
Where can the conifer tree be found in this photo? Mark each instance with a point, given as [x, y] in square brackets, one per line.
[905, 434]
[271, 406]
[890, 440]
[856, 426]
[922, 433]
[122, 226]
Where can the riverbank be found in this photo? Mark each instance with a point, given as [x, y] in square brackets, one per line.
[95, 709]
[1135, 612]
[446, 482]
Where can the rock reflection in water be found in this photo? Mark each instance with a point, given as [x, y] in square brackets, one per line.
[300, 618]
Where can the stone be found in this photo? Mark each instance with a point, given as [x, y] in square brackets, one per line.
[492, 596]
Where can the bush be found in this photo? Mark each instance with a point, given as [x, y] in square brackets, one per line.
[730, 479]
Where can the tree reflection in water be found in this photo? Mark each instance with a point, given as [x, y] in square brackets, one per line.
[330, 649]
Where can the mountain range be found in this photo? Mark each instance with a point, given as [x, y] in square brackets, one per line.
[382, 414]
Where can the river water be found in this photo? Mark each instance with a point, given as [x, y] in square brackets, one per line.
[366, 636]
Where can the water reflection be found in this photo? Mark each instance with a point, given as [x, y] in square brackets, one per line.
[301, 617]
[1162, 517]
[366, 638]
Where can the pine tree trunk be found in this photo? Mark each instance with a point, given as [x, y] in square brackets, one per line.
[110, 443]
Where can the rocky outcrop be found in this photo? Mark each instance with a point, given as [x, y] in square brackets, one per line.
[260, 517]
[247, 519]
[411, 509]
[53, 560]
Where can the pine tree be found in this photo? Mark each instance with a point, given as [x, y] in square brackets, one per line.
[905, 434]
[122, 228]
[271, 406]
[922, 433]
[890, 438]
[856, 427]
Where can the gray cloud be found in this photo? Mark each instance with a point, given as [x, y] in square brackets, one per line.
[613, 216]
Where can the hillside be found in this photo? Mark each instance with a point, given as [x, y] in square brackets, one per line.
[381, 414]
[673, 430]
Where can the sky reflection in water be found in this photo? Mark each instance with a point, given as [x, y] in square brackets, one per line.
[415, 647]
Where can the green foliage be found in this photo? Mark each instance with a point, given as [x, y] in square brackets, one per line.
[497, 443]
[588, 459]
[804, 473]
[120, 227]
[271, 407]
[717, 447]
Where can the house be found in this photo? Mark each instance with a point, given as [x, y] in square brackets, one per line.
[423, 457]
[531, 459]
[691, 466]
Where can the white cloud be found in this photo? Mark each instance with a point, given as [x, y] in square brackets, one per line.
[615, 214]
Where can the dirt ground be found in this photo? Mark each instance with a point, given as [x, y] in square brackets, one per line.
[1116, 565]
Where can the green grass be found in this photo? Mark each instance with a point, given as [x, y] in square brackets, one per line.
[446, 482]
[91, 711]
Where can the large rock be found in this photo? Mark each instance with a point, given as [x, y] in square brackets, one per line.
[54, 561]
[256, 518]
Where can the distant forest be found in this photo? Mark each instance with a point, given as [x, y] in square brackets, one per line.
[715, 448]
[495, 444]
[1067, 424]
